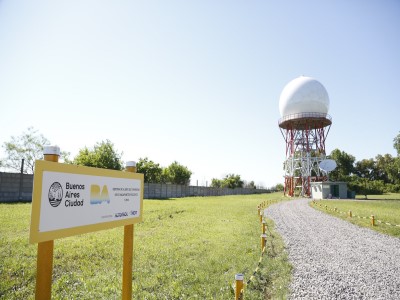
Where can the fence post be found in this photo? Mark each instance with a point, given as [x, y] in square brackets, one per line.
[350, 214]
[372, 220]
[239, 286]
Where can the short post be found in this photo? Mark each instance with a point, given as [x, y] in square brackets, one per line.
[263, 241]
[326, 207]
[258, 209]
[372, 220]
[350, 214]
[335, 209]
[128, 249]
[45, 249]
[261, 216]
[239, 286]
[264, 226]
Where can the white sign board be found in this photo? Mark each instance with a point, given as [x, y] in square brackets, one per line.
[82, 199]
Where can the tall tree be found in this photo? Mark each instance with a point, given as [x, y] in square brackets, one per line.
[217, 183]
[177, 174]
[152, 171]
[345, 165]
[387, 168]
[249, 185]
[102, 155]
[28, 146]
[232, 181]
[366, 168]
[396, 144]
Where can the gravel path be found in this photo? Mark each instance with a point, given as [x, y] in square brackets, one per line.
[334, 259]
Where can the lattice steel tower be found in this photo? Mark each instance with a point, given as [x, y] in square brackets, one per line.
[304, 124]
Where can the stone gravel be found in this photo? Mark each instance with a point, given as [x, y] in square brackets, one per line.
[334, 259]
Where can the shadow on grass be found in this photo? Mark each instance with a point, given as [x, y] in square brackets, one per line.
[15, 202]
[158, 199]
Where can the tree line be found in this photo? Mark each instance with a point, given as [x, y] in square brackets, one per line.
[368, 176]
[29, 147]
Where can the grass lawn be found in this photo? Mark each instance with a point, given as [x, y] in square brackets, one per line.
[386, 211]
[188, 248]
[388, 196]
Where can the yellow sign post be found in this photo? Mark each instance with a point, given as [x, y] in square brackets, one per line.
[128, 250]
[44, 262]
[70, 200]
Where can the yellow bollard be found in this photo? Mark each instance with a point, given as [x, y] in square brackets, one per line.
[263, 241]
[335, 209]
[350, 214]
[261, 216]
[264, 226]
[239, 286]
[128, 250]
[372, 220]
[45, 249]
[326, 207]
[258, 209]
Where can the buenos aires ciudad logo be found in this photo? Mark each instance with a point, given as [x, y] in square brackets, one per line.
[55, 194]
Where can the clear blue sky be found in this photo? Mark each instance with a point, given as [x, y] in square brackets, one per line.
[198, 81]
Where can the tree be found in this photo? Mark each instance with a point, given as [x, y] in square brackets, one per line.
[366, 169]
[396, 144]
[103, 155]
[232, 181]
[278, 187]
[345, 165]
[249, 185]
[177, 174]
[28, 146]
[229, 181]
[387, 168]
[153, 173]
[217, 183]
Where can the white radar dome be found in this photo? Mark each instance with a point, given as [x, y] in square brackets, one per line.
[303, 95]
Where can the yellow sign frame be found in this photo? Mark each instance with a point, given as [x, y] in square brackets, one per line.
[41, 166]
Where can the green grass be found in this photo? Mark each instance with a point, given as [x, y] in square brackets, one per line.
[387, 211]
[188, 248]
[388, 196]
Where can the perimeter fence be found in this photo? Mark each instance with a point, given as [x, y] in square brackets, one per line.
[16, 187]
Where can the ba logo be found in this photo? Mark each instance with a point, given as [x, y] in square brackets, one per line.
[55, 194]
[98, 196]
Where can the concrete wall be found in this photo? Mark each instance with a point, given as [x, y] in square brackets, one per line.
[15, 187]
[18, 187]
[160, 191]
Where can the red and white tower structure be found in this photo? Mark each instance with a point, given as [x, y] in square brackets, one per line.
[304, 124]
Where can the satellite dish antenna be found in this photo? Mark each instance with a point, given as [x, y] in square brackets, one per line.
[327, 165]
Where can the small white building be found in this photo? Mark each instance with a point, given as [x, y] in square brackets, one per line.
[329, 190]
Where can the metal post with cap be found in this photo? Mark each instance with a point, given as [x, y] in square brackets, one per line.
[45, 249]
[264, 226]
[128, 249]
[239, 286]
[263, 241]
